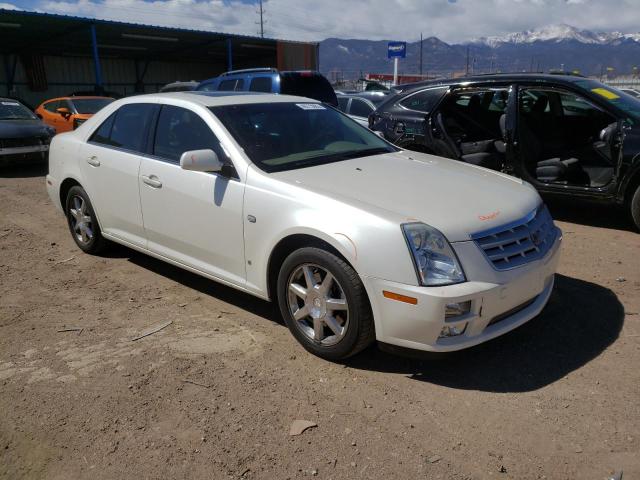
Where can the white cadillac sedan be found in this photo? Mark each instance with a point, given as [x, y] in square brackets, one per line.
[290, 200]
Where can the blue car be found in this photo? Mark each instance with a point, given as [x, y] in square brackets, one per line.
[304, 83]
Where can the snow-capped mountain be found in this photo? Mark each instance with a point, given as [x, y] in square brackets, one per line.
[549, 48]
[557, 33]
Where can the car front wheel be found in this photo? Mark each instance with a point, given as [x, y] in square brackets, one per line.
[324, 304]
[635, 208]
[82, 221]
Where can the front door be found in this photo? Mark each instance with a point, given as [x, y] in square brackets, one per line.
[566, 144]
[110, 168]
[194, 218]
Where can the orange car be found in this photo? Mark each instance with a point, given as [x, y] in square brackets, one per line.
[66, 113]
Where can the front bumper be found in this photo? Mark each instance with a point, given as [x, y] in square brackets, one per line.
[497, 306]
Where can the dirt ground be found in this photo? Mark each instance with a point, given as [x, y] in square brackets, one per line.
[213, 395]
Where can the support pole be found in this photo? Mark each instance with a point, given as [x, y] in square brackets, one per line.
[96, 59]
[395, 70]
[229, 55]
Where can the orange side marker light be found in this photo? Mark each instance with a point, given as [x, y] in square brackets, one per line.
[400, 298]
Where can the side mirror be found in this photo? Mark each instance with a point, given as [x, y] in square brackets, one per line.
[64, 111]
[201, 161]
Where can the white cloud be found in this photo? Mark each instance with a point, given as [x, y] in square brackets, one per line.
[8, 6]
[450, 20]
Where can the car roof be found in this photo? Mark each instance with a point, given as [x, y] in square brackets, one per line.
[76, 97]
[494, 78]
[214, 99]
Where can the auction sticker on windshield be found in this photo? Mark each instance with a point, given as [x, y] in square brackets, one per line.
[310, 106]
[10, 103]
[609, 95]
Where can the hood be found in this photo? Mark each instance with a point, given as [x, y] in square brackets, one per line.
[456, 198]
[24, 129]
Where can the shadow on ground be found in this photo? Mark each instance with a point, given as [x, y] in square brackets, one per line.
[581, 320]
[590, 214]
[37, 169]
[201, 284]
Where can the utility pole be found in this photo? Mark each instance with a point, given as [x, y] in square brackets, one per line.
[421, 54]
[467, 69]
[261, 12]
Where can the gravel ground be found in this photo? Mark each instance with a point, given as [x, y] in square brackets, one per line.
[213, 394]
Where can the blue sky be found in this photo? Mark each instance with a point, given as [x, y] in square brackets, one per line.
[450, 20]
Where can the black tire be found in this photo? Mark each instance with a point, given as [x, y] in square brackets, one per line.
[635, 208]
[359, 330]
[94, 244]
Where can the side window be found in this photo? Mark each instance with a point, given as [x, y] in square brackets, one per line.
[239, 84]
[360, 108]
[342, 103]
[425, 100]
[180, 130]
[51, 106]
[130, 126]
[260, 84]
[227, 85]
[102, 134]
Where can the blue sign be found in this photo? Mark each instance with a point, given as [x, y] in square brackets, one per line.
[397, 49]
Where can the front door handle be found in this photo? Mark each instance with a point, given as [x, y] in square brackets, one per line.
[152, 181]
[93, 161]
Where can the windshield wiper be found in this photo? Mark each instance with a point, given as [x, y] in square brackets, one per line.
[360, 153]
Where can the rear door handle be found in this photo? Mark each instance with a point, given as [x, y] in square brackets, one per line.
[93, 161]
[152, 181]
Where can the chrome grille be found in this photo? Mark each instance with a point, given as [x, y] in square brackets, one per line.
[520, 242]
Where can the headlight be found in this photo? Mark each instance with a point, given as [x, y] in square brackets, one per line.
[434, 259]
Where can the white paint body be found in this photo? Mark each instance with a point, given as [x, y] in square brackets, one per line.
[198, 221]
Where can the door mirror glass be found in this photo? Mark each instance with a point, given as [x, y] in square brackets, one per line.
[201, 161]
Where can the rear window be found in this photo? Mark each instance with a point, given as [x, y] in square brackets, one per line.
[308, 84]
[260, 84]
[425, 100]
[12, 110]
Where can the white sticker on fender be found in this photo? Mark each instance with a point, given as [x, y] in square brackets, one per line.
[310, 106]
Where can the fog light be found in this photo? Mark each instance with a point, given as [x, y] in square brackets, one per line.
[452, 330]
[457, 309]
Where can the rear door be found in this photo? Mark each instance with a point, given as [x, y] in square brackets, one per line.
[110, 167]
[194, 218]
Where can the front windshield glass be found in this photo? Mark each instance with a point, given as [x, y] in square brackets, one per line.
[286, 136]
[12, 110]
[90, 105]
[625, 102]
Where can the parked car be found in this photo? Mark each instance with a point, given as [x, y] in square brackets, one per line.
[360, 105]
[67, 113]
[269, 80]
[630, 91]
[23, 137]
[568, 136]
[288, 199]
[180, 86]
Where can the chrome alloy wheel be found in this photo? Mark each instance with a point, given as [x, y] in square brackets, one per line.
[318, 304]
[80, 220]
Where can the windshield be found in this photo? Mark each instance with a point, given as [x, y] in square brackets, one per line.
[286, 136]
[625, 102]
[90, 105]
[12, 110]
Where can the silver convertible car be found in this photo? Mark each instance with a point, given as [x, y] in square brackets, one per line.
[290, 200]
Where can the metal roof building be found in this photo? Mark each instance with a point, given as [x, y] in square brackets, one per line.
[47, 55]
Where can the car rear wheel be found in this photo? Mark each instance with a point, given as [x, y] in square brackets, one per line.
[324, 304]
[635, 208]
[82, 221]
